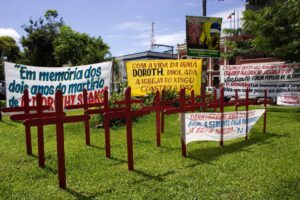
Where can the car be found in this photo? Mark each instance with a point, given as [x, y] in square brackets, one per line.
[211, 90]
[2, 90]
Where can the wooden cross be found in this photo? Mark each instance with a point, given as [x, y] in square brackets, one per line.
[40, 131]
[182, 109]
[217, 102]
[128, 114]
[248, 103]
[26, 111]
[59, 119]
[106, 108]
[87, 110]
[0, 111]
[167, 103]
[159, 105]
[100, 108]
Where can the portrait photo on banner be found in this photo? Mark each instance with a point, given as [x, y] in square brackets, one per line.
[203, 36]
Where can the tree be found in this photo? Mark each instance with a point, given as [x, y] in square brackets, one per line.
[239, 44]
[276, 29]
[116, 73]
[9, 51]
[71, 47]
[41, 33]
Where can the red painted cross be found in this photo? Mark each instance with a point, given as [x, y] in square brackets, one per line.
[26, 111]
[100, 108]
[128, 114]
[59, 121]
[167, 103]
[87, 110]
[158, 106]
[217, 102]
[39, 114]
[248, 103]
[184, 107]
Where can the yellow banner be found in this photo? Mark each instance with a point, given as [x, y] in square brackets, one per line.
[146, 76]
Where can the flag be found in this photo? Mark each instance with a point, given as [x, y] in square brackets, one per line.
[229, 17]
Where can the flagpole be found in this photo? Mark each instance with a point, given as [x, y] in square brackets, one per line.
[234, 20]
[238, 20]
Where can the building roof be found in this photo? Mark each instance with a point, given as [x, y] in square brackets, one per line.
[147, 54]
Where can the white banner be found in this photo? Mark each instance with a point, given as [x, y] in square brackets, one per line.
[46, 80]
[257, 89]
[276, 78]
[207, 126]
[289, 99]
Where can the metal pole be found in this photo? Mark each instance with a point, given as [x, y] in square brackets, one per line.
[204, 7]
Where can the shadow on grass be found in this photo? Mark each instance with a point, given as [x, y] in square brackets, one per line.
[294, 118]
[46, 168]
[207, 155]
[167, 149]
[288, 189]
[283, 109]
[8, 123]
[33, 155]
[147, 176]
[49, 169]
[79, 195]
[119, 161]
[139, 141]
[96, 147]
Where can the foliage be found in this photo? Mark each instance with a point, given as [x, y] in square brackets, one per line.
[116, 71]
[9, 51]
[71, 47]
[39, 43]
[240, 47]
[169, 95]
[49, 42]
[276, 29]
[258, 4]
[264, 167]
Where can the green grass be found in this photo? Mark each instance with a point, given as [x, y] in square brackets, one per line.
[267, 166]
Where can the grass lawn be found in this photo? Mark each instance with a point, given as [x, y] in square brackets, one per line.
[267, 166]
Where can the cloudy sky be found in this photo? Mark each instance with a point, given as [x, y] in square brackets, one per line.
[125, 25]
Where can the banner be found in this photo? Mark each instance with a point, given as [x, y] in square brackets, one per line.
[203, 36]
[276, 78]
[289, 99]
[46, 80]
[148, 76]
[207, 126]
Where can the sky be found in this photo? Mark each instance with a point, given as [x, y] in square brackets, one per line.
[125, 25]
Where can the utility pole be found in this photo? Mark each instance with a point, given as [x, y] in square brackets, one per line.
[152, 37]
[204, 7]
[205, 64]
